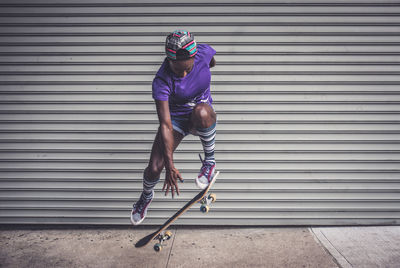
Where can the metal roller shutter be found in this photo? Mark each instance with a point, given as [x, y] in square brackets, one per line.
[307, 96]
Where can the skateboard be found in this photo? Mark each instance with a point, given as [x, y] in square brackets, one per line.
[162, 235]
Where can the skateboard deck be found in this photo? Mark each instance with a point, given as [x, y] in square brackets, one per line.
[199, 197]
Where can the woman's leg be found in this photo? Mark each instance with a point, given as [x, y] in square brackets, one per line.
[204, 122]
[151, 176]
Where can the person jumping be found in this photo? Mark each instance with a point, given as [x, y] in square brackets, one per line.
[181, 90]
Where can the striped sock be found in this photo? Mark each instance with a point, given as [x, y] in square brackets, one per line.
[207, 137]
[148, 187]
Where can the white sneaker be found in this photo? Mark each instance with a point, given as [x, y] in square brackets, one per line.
[139, 210]
[206, 174]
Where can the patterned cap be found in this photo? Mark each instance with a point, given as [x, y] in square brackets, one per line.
[180, 40]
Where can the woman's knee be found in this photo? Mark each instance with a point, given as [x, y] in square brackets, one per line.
[203, 116]
[153, 171]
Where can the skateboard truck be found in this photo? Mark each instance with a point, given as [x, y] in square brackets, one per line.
[206, 202]
[161, 238]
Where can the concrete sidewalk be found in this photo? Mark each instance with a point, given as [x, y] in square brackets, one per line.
[202, 247]
[362, 246]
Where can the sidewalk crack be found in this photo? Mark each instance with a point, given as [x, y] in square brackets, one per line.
[344, 257]
[172, 245]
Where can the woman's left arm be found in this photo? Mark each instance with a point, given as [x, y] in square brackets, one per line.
[212, 62]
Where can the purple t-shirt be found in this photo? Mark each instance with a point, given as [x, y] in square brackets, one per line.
[184, 93]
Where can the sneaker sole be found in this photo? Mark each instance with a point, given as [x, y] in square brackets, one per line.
[200, 185]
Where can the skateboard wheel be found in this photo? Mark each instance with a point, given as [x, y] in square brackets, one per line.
[213, 197]
[205, 208]
[168, 234]
[158, 247]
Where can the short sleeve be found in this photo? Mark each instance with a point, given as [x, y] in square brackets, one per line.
[208, 52]
[161, 90]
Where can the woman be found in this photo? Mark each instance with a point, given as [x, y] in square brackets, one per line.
[181, 90]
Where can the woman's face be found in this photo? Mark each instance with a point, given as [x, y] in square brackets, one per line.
[181, 67]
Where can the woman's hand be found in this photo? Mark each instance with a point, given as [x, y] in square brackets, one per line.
[171, 181]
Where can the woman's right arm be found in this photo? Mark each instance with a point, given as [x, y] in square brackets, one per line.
[172, 174]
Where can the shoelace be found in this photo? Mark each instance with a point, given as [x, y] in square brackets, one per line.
[206, 168]
[140, 204]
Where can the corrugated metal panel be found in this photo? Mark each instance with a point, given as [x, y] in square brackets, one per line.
[307, 96]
